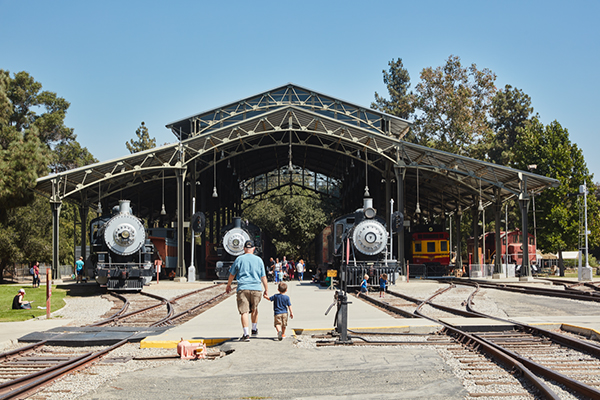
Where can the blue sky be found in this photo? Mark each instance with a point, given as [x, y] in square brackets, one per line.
[123, 62]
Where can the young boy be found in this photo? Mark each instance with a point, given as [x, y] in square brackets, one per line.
[382, 284]
[281, 304]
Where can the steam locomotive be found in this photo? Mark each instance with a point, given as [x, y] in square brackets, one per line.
[234, 236]
[121, 252]
[359, 240]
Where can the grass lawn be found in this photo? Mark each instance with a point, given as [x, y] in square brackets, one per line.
[37, 295]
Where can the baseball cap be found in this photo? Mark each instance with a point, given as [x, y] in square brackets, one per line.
[249, 244]
[22, 291]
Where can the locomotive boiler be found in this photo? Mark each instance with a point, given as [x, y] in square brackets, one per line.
[121, 252]
[233, 237]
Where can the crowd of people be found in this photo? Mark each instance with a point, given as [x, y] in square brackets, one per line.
[285, 270]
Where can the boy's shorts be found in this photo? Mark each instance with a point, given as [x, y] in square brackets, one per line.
[247, 300]
[281, 319]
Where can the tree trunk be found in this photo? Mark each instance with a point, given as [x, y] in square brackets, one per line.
[561, 263]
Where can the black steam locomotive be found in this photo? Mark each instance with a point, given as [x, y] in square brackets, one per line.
[358, 240]
[233, 237]
[121, 252]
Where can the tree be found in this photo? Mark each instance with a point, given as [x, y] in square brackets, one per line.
[453, 104]
[510, 112]
[33, 137]
[144, 141]
[401, 102]
[558, 209]
[291, 221]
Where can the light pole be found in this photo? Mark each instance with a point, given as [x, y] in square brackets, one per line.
[586, 273]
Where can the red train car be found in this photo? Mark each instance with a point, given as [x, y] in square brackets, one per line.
[513, 250]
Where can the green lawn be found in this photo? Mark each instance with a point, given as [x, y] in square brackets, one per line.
[37, 295]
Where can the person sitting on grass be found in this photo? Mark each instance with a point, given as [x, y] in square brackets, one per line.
[19, 303]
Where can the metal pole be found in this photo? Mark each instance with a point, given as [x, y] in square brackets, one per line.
[587, 260]
[506, 240]
[192, 269]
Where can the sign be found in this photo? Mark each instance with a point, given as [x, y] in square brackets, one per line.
[332, 273]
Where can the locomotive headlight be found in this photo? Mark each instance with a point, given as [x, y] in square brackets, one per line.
[370, 237]
[124, 235]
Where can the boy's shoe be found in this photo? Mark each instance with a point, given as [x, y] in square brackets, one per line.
[245, 338]
[279, 335]
[254, 332]
[282, 337]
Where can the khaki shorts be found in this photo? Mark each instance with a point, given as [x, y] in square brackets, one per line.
[247, 300]
[281, 319]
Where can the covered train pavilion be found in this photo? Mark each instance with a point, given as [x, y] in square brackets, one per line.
[292, 137]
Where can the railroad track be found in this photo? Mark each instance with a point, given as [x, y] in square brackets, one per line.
[29, 369]
[547, 360]
[25, 371]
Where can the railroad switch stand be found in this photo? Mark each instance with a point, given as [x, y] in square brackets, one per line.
[340, 300]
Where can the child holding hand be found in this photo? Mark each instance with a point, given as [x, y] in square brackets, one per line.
[281, 305]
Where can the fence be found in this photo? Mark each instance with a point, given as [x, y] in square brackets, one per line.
[20, 273]
[487, 271]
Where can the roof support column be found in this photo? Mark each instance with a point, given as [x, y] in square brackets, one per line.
[399, 171]
[475, 260]
[83, 213]
[498, 258]
[524, 206]
[458, 264]
[180, 177]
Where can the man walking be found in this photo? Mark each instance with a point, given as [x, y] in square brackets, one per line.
[249, 270]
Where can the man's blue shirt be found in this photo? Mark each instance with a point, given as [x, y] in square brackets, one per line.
[248, 269]
[79, 265]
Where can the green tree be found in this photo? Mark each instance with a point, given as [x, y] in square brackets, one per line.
[144, 141]
[397, 81]
[291, 221]
[33, 137]
[558, 209]
[511, 111]
[453, 104]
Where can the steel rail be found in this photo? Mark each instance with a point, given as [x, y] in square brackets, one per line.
[116, 318]
[496, 354]
[31, 383]
[555, 337]
[23, 349]
[476, 343]
[568, 294]
[169, 319]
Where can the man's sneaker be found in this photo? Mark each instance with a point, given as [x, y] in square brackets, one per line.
[254, 332]
[245, 338]
[279, 335]
[282, 337]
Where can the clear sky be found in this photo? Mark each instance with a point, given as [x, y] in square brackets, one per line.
[122, 62]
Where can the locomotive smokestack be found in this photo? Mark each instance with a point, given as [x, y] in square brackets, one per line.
[124, 207]
[368, 207]
[237, 222]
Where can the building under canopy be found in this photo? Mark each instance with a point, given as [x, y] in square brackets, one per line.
[287, 136]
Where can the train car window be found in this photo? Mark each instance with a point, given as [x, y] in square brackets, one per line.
[443, 245]
[418, 247]
[431, 247]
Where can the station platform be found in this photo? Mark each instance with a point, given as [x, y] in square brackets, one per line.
[309, 304]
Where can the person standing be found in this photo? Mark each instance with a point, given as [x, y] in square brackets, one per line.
[382, 284]
[36, 274]
[277, 270]
[249, 270]
[79, 269]
[300, 270]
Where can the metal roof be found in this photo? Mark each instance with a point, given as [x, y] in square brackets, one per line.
[317, 132]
